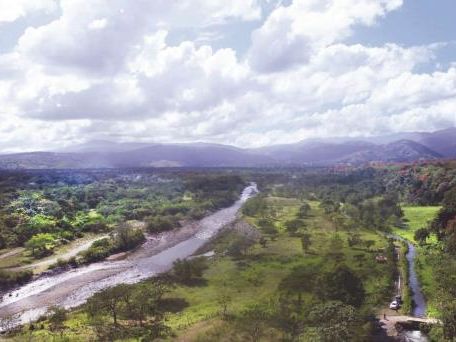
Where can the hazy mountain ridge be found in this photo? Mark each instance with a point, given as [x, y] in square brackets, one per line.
[401, 147]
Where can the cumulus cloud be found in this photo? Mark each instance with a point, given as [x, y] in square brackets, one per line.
[10, 11]
[290, 34]
[109, 71]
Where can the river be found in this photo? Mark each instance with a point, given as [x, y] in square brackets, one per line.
[72, 288]
[419, 302]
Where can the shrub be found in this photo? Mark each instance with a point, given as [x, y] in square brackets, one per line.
[187, 270]
[9, 279]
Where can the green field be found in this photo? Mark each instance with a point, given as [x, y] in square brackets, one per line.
[257, 277]
[416, 217]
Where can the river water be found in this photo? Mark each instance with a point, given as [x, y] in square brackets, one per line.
[418, 300]
[419, 307]
[74, 287]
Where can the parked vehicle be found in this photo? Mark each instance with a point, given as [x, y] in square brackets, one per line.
[394, 305]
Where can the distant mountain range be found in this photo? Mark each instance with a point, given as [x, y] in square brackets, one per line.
[401, 147]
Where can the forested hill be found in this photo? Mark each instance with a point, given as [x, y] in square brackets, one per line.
[400, 148]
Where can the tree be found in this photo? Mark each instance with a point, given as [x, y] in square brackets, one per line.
[354, 240]
[224, 299]
[421, 235]
[268, 227]
[159, 224]
[57, 318]
[359, 258]
[41, 244]
[306, 242]
[342, 284]
[338, 220]
[329, 206]
[304, 210]
[127, 238]
[300, 280]
[288, 317]
[187, 270]
[335, 321]
[369, 243]
[263, 242]
[335, 248]
[256, 206]
[254, 321]
[448, 318]
[42, 224]
[107, 302]
[239, 246]
[144, 302]
[292, 226]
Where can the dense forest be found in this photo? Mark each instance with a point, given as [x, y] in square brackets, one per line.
[43, 210]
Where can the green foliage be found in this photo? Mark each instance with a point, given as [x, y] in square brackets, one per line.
[11, 278]
[71, 203]
[255, 207]
[268, 227]
[301, 279]
[127, 238]
[188, 271]
[57, 318]
[254, 321]
[140, 303]
[306, 242]
[41, 223]
[342, 284]
[99, 250]
[335, 321]
[304, 210]
[108, 302]
[41, 244]
[421, 235]
[269, 290]
[160, 224]
[292, 226]
[90, 222]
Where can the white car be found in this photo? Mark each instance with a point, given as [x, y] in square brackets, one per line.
[394, 305]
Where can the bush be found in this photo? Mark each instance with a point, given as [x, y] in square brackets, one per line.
[41, 244]
[99, 250]
[127, 238]
[159, 224]
[61, 263]
[292, 226]
[187, 270]
[9, 279]
[342, 284]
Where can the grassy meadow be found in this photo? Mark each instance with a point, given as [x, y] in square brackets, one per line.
[417, 217]
[256, 277]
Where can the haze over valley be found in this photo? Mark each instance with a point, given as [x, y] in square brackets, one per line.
[398, 148]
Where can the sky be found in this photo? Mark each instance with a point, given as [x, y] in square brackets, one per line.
[247, 73]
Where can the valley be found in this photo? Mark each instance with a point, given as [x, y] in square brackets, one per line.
[264, 255]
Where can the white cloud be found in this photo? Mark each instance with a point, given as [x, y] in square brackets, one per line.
[11, 10]
[109, 71]
[98, 24]
[291, 34]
